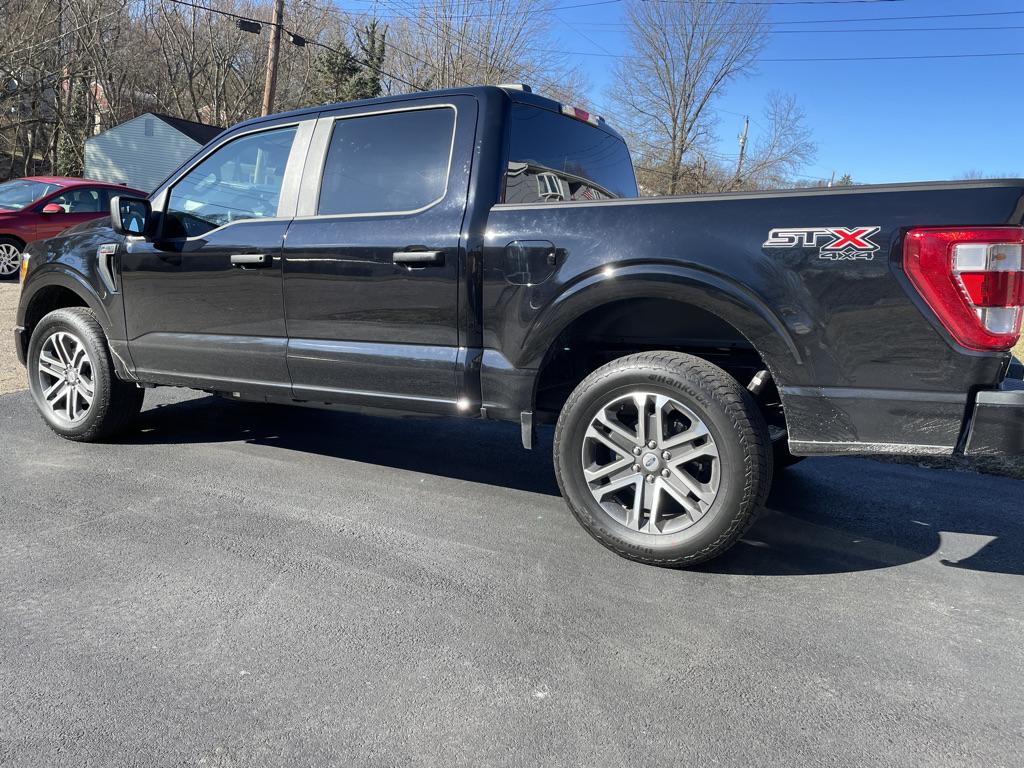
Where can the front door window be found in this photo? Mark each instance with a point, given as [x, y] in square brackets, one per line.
[241, 180]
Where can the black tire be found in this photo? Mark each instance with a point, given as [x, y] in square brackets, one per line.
[6, 243]
[736, 426]
[115, 403]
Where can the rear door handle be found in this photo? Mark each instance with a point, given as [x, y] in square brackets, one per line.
[250, 260]
[418, 258]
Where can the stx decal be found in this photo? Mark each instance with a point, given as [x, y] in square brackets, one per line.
[833, 243]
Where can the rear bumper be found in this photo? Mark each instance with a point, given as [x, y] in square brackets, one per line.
[20, 343]
[997, 423]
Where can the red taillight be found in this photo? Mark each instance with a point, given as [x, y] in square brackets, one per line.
[973, 279]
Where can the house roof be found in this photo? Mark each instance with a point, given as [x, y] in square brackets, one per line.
[198, 132]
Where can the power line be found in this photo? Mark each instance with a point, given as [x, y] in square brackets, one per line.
[309, 41]
[980, 14]
[889, 29]
[62, 34]
[844, 58]
[907, 58]
[897, 18]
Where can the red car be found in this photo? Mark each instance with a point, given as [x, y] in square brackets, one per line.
[38, 207]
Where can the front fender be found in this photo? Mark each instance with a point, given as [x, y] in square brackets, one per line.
[70, 261]
[63, 276]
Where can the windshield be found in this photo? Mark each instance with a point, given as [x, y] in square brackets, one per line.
[15, 195]
[555, 158]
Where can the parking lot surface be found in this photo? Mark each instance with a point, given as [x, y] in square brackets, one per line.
[12, 375]
[244, 585]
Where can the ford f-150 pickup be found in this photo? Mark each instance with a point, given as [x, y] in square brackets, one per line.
[483, 252]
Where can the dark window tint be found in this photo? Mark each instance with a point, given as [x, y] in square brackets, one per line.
[81, 200]
[387, 163]
[553, 157]
[241, 180]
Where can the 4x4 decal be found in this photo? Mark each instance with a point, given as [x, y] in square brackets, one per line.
[833, 243]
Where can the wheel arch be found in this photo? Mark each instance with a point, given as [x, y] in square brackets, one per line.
[57, 289]
[713, 293]
[711, 316]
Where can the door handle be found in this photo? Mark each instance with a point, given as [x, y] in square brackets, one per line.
[250, 260]
[418, 258]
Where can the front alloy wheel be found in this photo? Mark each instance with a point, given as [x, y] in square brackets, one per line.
[66, 378]
[72, 379]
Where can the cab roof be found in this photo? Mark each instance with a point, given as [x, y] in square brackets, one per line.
[481, 92]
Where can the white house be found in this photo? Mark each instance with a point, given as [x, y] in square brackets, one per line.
[144, 151]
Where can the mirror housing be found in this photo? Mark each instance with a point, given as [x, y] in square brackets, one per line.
[131, 215]
[52, 208]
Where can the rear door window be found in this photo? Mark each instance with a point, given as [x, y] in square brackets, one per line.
[556, 158]
[396, 162]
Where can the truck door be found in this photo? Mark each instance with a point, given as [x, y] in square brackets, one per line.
[203, 304]
[372, 258]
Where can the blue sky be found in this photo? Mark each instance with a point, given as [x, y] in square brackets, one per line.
[880, 121]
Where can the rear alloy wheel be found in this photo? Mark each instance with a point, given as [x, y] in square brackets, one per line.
[72, 380]
[10, 258]
[651, 463]
[663, 458]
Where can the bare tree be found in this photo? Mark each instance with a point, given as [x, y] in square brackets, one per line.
[451, 43]
[784, 146]
[683, 54]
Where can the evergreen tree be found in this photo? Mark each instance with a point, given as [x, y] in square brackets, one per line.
[73, 129]
[341, 75]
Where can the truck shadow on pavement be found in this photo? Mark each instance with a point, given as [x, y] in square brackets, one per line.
[834, 515]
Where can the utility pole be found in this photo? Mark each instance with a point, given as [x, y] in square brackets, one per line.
[272, 54]
[743, 151]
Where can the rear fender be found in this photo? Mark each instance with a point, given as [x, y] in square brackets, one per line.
[714, 293]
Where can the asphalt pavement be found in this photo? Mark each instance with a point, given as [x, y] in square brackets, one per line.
[244, 585]
[12, 375]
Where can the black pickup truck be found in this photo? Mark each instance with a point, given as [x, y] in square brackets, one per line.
[483, 252]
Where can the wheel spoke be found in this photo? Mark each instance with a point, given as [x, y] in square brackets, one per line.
[72, 403]
[634, 512]
[654, 494]
[700, 490]
[78, 357]
[618, 484]
[50, 366]
[601, 472]
[641, 417]
[694, 452]
[54, 344]
[696, 430]
[660, 403]
[618, 433]
[680, 493]
[55, 391]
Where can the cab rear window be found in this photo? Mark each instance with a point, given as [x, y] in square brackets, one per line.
[555, 158]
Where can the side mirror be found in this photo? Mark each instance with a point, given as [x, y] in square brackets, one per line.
[130, 215]
[52, 208]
